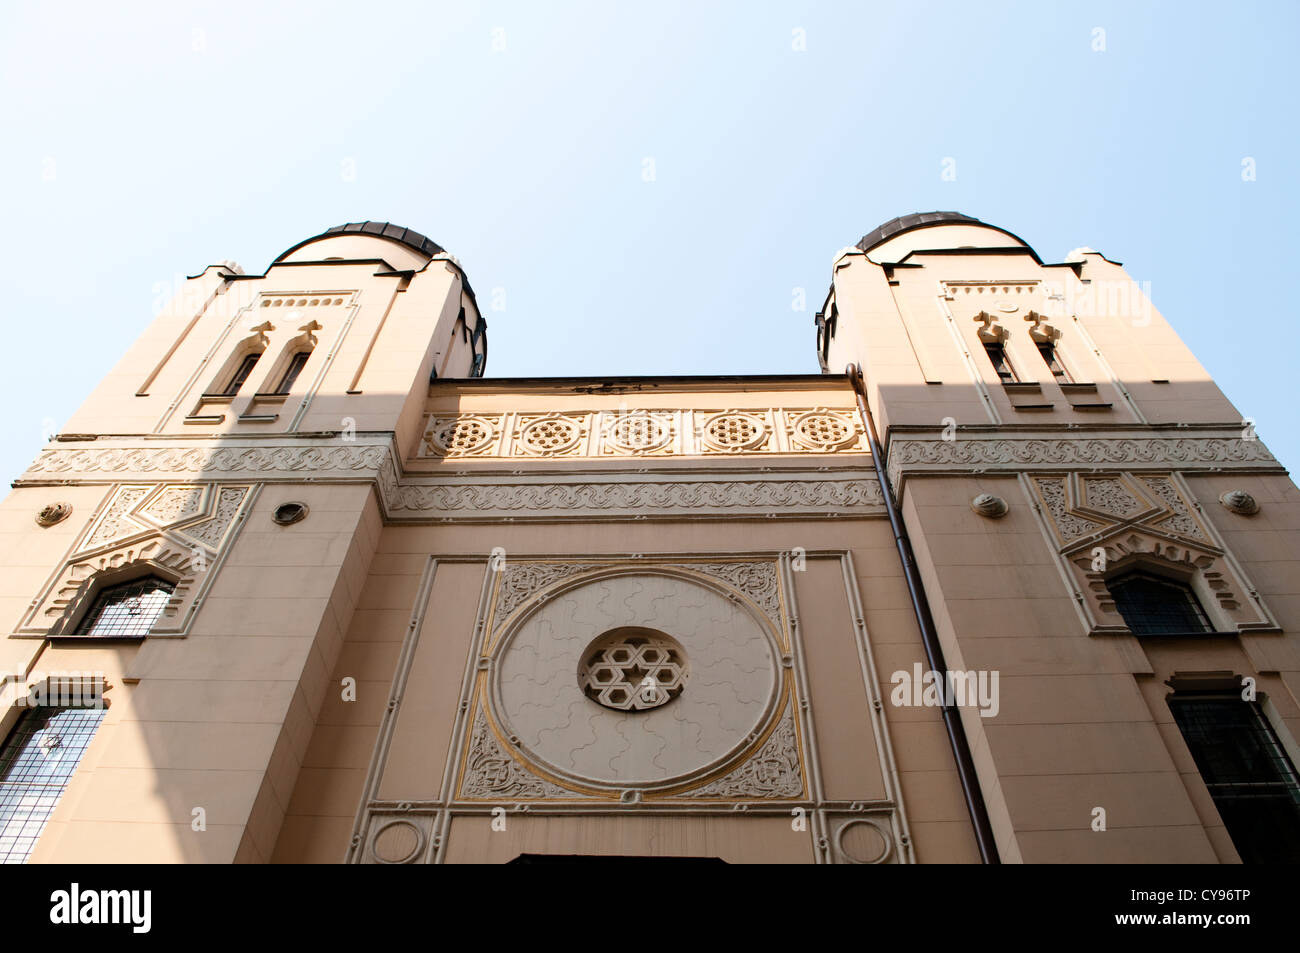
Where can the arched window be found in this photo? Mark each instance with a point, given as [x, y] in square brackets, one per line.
[1048, 350]
[241, 374]
[296, 363]
[127, 611]
[1153, 605]
[997, 353]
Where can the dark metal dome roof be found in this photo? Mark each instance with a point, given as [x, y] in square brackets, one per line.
[906, 223]
[406, 236]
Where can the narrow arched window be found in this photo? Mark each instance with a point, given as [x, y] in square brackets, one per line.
[291, 372]
[127, 611]
[241, 374]
[997, 353]
[1153, 605]
[1053, 360]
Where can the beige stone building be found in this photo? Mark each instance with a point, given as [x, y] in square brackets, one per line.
[299, 584]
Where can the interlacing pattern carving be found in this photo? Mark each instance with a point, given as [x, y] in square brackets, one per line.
[174, 504]
[1157, 527]
[520, 581]
[1111, 496]
[277, 460]
[773, 772]
[1187, 453]
[447, 497]
[115, 522]
[1182, 522]
[1071, 527]
[130, 531]
[757, 580]
[490, 772]
[1128, 500]
[467, 500]
[211, 532]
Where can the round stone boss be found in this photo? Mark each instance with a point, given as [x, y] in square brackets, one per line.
[539, 700]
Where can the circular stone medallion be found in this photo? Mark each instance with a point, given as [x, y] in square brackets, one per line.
[716, 673]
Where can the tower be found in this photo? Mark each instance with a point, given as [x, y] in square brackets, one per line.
[1095, 521]
[189, 551]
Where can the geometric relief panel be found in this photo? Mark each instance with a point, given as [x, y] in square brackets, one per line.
[1095, 506]
[177, 529]
[723, 725]
[1137, 519]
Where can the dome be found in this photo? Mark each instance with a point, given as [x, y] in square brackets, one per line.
[907, 223]
[397, 233]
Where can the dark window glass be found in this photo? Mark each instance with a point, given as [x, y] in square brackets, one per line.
[1154, 606]
[1247, 771]
[1048, 350]
[1001, 363]
[127, 611]
[296, 364]
[38, 760]
[245, 368]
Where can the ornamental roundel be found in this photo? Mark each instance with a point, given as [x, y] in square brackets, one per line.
[632, 668]
[549, 435]
[638, 432]
[733, 431]
[676, 677]
[823, 430]
[461, 435]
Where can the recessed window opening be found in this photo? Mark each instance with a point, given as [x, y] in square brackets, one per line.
[296, 364]
[997, 353]
[1154, 605]
[128, 610]
[241, 374]
[1048, 350]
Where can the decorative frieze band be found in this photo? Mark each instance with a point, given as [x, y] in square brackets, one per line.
[816, 492]
[638, 433]
[784, 496]
[332, 458]
[909, 456]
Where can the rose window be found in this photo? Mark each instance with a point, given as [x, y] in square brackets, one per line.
[633, 669]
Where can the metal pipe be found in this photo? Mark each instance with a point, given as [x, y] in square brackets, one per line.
[979, 814]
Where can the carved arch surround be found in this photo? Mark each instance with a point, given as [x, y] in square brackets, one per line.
[178, 531]
[763, 759]
[1100, 524]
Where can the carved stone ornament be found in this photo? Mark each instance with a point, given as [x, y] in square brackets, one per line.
[53, 513]
[986, 504]
[1239, 502]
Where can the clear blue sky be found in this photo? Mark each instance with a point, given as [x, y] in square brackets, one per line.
[143, 142]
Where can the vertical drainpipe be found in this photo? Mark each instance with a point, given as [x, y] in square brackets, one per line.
[979, 814]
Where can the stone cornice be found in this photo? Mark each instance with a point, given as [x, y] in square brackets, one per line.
[991, 452]
[812, 492]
